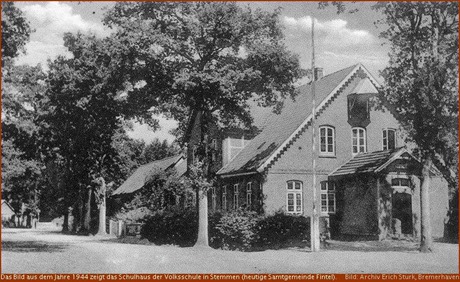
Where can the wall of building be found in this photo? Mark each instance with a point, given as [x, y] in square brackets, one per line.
[256, 181]
[439, 202]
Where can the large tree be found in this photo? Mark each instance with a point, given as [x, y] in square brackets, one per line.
[21, 165]
[21, 168]
[421, 82]
[84, 114]
[203, 60]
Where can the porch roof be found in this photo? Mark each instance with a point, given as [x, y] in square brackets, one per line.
[369, 162]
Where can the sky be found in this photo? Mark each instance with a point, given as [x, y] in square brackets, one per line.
[340, 40]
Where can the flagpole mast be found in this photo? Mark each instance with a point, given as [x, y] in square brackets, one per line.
[314, 226]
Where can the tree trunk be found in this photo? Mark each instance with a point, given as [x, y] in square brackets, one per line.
[65, 224]
[102, 228]
[202, 200]
[87, 221]
[426, 241]
[202, 240]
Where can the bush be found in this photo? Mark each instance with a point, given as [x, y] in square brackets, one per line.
[237, 230]
[215, 237]
[281, 230]
[138, 215]
[174, 226]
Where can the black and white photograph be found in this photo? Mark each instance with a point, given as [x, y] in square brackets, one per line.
[143, 138]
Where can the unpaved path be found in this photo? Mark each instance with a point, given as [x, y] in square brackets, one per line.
[48, 251]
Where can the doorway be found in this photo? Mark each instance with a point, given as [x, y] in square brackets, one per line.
[402, 210]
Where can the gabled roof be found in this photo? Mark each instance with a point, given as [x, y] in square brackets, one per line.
[280, 130]
[6, 204]
[369, 162]
[138, 179]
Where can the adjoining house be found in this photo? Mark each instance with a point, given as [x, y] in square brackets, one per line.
[367, 181]
[8, 214]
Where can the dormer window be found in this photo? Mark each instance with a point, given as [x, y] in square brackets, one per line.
[358, 110]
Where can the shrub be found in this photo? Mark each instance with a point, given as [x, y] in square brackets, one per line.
[237, 230]
[138, 215]
[175, 226]
[281, 230]
[215, 237]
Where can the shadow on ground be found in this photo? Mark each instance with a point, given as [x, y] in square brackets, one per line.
[373, 246]
[31, 246]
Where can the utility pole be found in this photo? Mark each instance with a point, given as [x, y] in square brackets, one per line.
[314, 222]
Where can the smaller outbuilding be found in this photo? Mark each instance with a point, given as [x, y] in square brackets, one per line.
[8, 214]
[141, 175]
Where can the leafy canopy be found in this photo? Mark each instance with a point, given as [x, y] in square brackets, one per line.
[15, 31]
[421, 80]
[203, 56]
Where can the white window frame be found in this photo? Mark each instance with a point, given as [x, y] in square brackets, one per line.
[325, 190]
[326, 137]
[385, 138]
[249, 194]
[358, 140]
[236, 193]
[297, 195]
[224, 197]
[399, 184]
[402, 188]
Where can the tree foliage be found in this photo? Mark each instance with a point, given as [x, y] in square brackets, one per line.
[157, 150]
[21, 165]
[204, 56]
[421, 80]
[15, 31]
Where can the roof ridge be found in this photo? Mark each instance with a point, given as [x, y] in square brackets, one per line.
[332, 73]
[351, 67]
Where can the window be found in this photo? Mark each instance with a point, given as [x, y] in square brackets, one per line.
[389, 139]
[358, 140]
[400, 182]
[224, 197]
[327, 197]
[235, 196]
[249, 195]
[213, 198]
[326, 141]
[294, 196]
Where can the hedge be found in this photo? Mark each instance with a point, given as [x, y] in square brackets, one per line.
[236, 230]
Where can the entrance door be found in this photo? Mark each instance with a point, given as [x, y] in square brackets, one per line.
[402, 210]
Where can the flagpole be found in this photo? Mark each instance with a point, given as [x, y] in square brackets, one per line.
[314, 226]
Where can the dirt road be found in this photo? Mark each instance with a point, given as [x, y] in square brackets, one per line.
[48, 251]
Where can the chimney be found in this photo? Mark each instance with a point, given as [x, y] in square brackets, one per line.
[318, 73]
